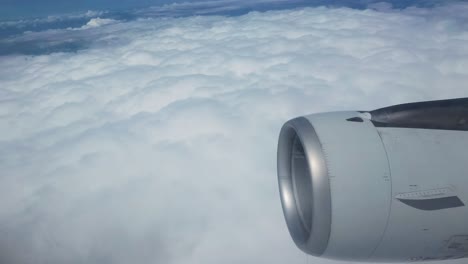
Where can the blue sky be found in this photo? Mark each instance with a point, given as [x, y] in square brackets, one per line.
[12, 9]
[31, 8]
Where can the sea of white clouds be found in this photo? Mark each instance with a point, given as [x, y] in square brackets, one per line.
[157, 143]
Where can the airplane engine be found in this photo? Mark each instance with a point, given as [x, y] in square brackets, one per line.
[389, 185]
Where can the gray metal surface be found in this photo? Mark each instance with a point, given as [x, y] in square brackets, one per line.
[450, 114]
[360, 183]
[425, 163]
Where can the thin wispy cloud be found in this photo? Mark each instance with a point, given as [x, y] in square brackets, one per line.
[157, 143]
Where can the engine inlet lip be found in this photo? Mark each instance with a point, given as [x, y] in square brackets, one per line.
[311, 239]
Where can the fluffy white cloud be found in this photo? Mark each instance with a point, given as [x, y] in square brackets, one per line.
[97, 22]
[157, 143]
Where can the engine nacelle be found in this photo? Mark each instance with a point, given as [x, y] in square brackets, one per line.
[387, 185]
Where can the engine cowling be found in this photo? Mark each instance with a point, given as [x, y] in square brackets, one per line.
[387, 185]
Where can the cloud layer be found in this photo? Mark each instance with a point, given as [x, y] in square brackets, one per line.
[157, 144]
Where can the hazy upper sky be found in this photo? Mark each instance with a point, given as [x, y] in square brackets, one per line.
[10, 9]
[14, 8]
[17, 8]
[149, 135]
